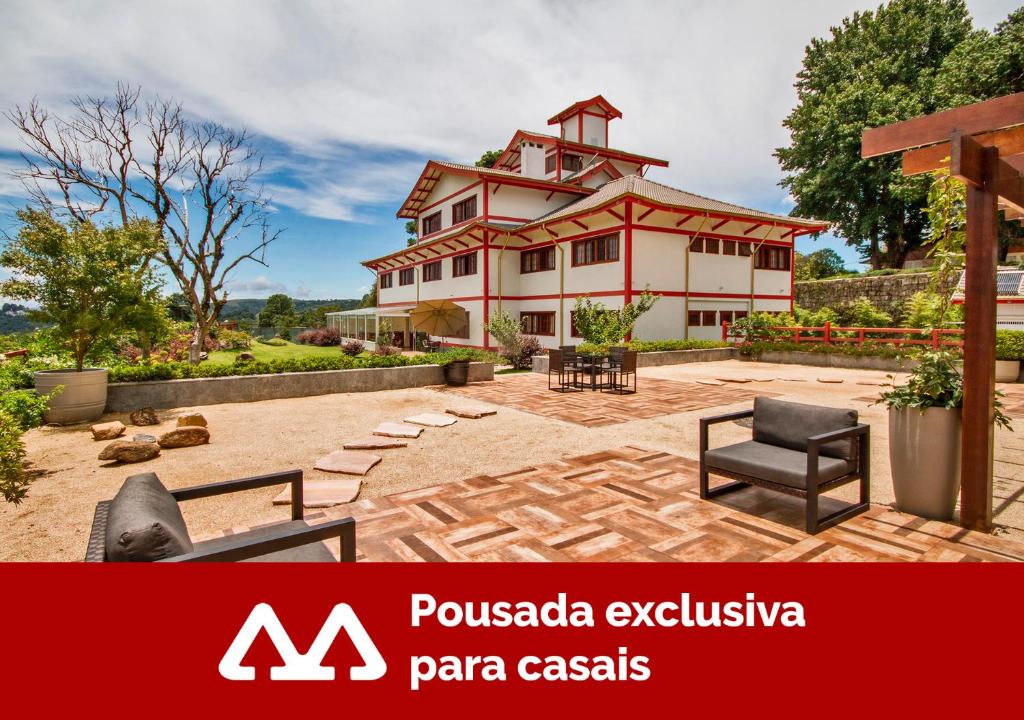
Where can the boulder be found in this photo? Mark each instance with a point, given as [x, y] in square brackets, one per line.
[184, 437]
[107, 430]
[144, 416]
[127, 451]
[191, 420]
[245, 357]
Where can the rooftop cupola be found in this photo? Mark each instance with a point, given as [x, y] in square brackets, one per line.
[586, 121]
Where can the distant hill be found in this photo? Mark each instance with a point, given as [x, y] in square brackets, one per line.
[246, 308]
[14, 319]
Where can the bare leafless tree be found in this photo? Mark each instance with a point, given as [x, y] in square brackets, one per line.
[127, 157]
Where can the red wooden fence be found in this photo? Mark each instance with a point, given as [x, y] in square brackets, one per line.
[827, 334]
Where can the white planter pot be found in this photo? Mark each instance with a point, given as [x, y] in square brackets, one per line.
[83, 398]
[1007, 370]
[924, 455]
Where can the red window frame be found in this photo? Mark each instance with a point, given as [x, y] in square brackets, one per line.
[550, 163]
[386, 280]
[596, 250]
[431, 223]
[464, 210]
[463, 265]
[711, 246]
[538, 323]
[728, 247]
[774, 258]
[572, 163]
[407, 276]
[744, 249]
[539, 260]
[432, 271]
[697, 245]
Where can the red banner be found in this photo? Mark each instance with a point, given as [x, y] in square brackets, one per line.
[480, 640]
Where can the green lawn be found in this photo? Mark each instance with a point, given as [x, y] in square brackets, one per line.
[270, 352]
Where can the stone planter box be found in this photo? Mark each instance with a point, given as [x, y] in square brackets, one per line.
[125, 397]
[656, 359]
[850, 362]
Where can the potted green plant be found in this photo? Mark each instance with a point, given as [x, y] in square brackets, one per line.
[88, 283]
[456, 365]
[924, 436]
[1009, 353]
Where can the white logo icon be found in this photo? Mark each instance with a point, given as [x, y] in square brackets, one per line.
[302, 666]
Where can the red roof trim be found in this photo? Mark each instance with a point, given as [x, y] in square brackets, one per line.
[611, 110]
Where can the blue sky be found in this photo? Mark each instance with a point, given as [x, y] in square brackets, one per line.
[348, 100]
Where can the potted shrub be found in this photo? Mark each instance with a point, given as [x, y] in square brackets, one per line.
[924, 436]
[89, 283]
[456, 365]
[1009, 352]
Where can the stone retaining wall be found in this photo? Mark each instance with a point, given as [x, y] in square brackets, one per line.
[888, 292]
[836, 360]
[655, 359]
[125, 397]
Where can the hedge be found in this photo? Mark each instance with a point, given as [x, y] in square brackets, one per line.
[646, 346]
[886, 350]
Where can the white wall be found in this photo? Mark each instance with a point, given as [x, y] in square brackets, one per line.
[594, 130]
[450, 286]
[397, 293]
[531, 159]
[520, 202]
[447, 185]
[659, 260]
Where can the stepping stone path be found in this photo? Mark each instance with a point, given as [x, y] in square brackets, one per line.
[397, 430]
[323, 493]
[471, 413]
[733, 380]
[108, 430]
[833, 381]
[184, 437]
[431, 420]
[375, 443]
[127, 451]
[348, 462]
[711, 382]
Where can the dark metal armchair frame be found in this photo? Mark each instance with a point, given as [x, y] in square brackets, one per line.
[619, 370]
[860, 434]
[559, 365]
[242, 547]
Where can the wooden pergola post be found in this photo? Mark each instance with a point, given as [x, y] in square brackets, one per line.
[983, 145]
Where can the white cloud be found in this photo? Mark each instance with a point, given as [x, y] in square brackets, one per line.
[703, 84]
[260, 286]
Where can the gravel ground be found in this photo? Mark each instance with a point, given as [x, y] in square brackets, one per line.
[254, 438]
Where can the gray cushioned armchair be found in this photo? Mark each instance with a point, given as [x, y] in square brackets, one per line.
[797, 449]
[143, 523]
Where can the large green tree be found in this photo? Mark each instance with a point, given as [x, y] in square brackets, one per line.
[489, 157]
[822, 263]
[877, 67]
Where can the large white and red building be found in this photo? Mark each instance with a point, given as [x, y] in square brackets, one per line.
[560, 216]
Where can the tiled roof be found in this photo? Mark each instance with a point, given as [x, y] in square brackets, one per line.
[1009, 283]
[665, 195]
[582, 147]
[598, 100]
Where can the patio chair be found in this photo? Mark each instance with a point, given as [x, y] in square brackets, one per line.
[619, 371]
[565, 367]
[143, 524]
[797, 449]
[429, 345]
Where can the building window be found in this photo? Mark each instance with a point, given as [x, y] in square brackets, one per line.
[744, 249]
[728, 247]
[464, 265]
[572, 163]
[464, 210]
[538, 323]
[731, 316]
[432, 271]
[432, 223]
[773, 258]
[697, 245]
[711, 246]
[407, 276]
[706, 318]
[386, 280]
[550, 164]
[537, 260]
[596, 250]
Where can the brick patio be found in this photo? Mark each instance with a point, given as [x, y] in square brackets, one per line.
[633, 504]
[655, 397]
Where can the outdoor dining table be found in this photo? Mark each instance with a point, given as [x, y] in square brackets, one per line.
[595, 361]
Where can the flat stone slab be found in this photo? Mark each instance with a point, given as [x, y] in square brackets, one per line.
[471, 413]
[734, 380]
[375, 442]
[830, 381]
[348, 462]
[431, 420]
[397, 430]
[711, 382]
[321, 493]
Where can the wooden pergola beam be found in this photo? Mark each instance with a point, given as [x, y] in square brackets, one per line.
[928, 159]
[983, 117]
